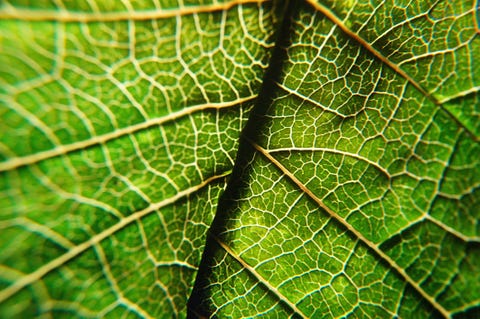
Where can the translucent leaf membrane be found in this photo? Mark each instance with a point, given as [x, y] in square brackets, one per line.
[66, 82]
[358, 195]
[435, 42]
[300, 254]
[117, 138]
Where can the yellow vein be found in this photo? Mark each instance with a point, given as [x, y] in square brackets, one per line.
[257, 276]
[359, 235]
[476, 22]
[95, 140]
[10, 12]
[77, 250]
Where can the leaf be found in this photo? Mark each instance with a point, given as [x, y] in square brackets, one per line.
[120, 124]
[356, 191]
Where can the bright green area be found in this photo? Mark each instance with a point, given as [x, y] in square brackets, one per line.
[398, 168]
[119, 136]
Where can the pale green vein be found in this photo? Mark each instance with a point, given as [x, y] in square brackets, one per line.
[460, 94]
[257, 276]
[333, 151]
[121, 299]
[10, 12]
[355, 232]
[13, 163]
[316, 103]
[75, 251]
[452, 231]
[34, 227]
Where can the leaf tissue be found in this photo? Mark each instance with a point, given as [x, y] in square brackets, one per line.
[239, 159]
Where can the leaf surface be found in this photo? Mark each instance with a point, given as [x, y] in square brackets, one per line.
[356, 190]
[120, 124]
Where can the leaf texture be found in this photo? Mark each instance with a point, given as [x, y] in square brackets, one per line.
[119, 127]
[356, 190]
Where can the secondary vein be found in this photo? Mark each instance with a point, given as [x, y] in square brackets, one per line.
[77, 250]
[355, 232]
[16, 162]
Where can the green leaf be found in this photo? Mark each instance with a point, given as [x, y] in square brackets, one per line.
[354, 192]
[120, 124]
